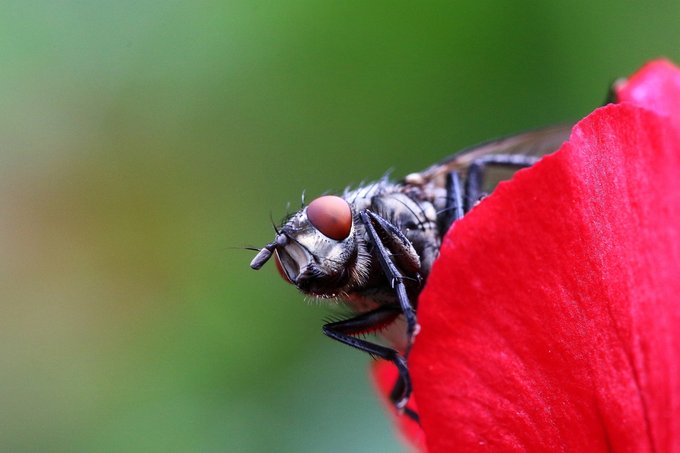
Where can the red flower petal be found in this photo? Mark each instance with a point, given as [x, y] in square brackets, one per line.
[552, 318]
[657, 87]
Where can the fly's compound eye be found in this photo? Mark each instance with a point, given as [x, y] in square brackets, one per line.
[332, 216]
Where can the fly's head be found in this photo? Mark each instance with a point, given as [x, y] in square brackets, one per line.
[316, 249]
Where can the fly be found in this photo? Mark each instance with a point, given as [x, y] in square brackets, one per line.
[373, 247]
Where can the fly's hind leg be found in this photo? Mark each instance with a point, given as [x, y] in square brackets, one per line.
[345, 331]
[474, 180]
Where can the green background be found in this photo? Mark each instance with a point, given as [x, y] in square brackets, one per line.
[143, 143]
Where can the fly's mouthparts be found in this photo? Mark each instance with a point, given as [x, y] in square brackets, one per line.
[266, 252]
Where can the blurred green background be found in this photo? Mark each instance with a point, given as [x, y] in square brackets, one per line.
[142, 143]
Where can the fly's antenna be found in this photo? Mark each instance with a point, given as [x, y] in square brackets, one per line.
[266, 252]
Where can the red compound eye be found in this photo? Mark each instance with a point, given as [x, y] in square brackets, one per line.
[331, 215]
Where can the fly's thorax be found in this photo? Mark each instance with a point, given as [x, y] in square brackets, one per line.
[413, 208]
[415, 213]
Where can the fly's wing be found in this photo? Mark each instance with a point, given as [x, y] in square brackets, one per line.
[537, 142]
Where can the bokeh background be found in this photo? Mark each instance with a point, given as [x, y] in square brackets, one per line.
[143, 143]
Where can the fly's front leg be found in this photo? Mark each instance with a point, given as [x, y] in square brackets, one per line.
[474, 180]
[392, 246]
[344, 331]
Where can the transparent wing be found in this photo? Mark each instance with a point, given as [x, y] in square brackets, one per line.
[536, 142]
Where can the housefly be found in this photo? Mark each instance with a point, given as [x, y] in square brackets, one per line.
[373, 247]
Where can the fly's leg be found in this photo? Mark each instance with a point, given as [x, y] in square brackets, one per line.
[612, 97]
[394, 248]
[395, 395]
[474, 181]
[454, 202]
[344, 331]
[392, 244]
